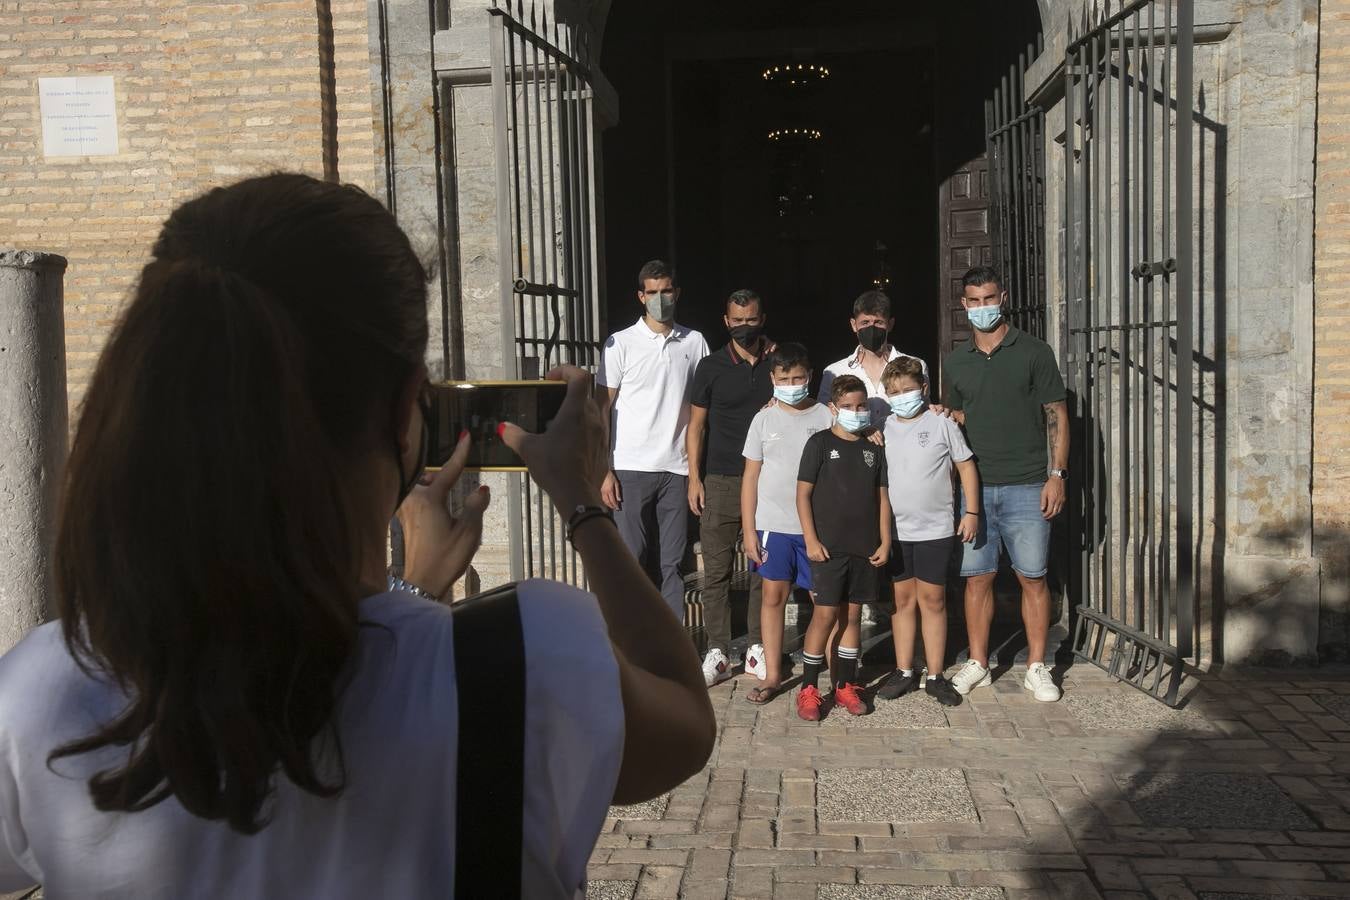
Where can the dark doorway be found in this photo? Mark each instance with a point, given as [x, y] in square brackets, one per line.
[847, 199]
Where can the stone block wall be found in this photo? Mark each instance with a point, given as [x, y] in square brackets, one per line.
[206, 93]
[1331, 324]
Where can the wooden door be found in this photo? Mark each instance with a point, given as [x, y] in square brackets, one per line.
[963, 222]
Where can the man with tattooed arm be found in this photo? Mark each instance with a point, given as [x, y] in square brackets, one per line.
[1004, 387]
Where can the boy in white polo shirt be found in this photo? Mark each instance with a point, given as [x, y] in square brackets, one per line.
[648, 370]
[770, 526]
[872, 323]
[921, 447]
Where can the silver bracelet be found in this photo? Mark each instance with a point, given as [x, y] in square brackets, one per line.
[398, 584]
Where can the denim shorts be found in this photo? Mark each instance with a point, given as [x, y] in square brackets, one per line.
[1012, 520]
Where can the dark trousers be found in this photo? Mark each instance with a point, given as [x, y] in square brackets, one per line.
[719, 530]
[653, 521]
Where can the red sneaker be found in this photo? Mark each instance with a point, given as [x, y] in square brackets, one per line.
[808, 703]
[846, 695]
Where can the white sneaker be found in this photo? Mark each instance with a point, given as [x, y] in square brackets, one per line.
[971, 676]
[715, 667]
[754, 662]
[1040, 683]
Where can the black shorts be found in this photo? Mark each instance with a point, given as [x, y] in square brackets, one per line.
[845, 579]
[925, 560]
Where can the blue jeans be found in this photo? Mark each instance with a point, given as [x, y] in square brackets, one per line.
[1011, 519]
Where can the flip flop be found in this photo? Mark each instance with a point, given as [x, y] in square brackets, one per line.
[761, 695]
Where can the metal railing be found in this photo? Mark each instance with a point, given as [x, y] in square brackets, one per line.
[1129, 262]
[543, 134]
[1015, 133]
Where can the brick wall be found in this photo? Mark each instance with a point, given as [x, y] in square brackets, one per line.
[206, 93]
[1331, 385]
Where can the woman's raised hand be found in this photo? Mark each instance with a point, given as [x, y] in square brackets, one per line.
[569, 460]
[437, 547]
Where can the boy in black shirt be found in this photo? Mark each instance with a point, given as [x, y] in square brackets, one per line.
[846, 522]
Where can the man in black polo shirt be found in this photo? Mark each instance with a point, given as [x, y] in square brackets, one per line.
[1004, 387]
[730, 385]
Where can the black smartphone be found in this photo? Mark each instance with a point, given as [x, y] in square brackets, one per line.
[479, 407]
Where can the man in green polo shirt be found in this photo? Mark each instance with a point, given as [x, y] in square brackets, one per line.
[1004, 387]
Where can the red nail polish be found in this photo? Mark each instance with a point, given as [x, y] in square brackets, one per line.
[482, 489]
[501, 429]
[463, 434]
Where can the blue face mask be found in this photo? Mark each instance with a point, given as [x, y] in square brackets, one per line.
[985, 318]
[852, 421]
[906, 405]
[791, 394]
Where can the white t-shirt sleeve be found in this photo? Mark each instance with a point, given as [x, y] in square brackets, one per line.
[574, 729]
[754, 438]
[610, 373]
[13, 840]
[956, 441]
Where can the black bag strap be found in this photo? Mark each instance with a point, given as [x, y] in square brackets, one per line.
[490, 674]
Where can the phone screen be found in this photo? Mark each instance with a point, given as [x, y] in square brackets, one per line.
[479, 407]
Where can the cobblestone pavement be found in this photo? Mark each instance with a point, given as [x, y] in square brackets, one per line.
[1244, 793]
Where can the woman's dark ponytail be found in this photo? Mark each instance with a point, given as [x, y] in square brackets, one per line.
[209, 552]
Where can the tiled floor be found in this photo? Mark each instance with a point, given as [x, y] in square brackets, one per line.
[1244, 793]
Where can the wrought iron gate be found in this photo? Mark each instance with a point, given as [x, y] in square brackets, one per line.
[1129, 262]
[1016, 154]
[546, 246]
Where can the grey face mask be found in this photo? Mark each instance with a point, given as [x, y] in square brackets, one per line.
[661, 307]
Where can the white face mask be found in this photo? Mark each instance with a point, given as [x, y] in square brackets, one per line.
[852, 421]
[661, 307]
[906, 405]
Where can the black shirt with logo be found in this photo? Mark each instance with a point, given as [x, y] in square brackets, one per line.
[846, 500]
[732, 390]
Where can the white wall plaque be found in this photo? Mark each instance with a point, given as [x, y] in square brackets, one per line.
[79, 116]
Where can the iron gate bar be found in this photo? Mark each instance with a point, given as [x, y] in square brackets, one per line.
[1014, 135]
[1135, 617]
[541, 115]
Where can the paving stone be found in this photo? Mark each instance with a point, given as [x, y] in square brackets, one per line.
[652, 809]
[1336, 704]
[1229, 895]
[1131, 711]
[914, 710]
[894, 795]
[907, 892]
[1212, 800]
[610, 890]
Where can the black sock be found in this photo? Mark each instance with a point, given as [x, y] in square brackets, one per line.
[811, 666]
[847, 664]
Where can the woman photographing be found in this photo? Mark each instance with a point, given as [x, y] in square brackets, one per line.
[234, 702]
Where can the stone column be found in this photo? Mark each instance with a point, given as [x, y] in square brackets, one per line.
[32, 434]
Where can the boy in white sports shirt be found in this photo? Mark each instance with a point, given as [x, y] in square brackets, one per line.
[770, 527]
[921, 447]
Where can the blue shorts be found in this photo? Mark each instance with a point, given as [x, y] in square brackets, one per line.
[1012, 520]
[785, 559]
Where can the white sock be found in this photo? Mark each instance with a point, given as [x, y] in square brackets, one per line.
[907, 672]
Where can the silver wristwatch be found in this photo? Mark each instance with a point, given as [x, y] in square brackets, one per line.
[1061, 474]
[398, 584]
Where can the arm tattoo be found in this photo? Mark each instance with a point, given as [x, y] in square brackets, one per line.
[1052, 425]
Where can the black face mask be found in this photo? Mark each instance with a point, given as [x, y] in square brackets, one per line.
[746, 335]
[872, 337]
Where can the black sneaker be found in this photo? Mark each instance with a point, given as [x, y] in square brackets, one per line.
[941, 690]
[897, 685]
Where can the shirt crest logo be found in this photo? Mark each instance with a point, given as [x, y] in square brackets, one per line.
[870, 458]
[924, 438]
[834, 454]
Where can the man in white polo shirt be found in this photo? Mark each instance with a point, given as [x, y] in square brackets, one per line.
[648, 370]
[872, 323]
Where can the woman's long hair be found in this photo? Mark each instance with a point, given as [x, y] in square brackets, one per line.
[209, 552]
